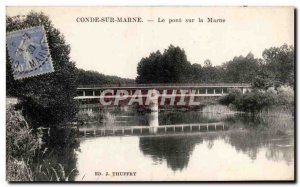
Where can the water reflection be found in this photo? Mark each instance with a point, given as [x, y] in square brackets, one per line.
[178, 149]
[260, 144]
[152, 119]
[130, 117]
[175, 150]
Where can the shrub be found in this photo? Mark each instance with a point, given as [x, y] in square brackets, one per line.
[254, 101]
[228, 99]
[285, 95]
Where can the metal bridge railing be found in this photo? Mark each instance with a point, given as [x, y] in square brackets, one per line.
[166, 85]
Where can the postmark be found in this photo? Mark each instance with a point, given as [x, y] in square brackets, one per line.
[29, 52]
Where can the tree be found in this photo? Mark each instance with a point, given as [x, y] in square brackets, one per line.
[196, 73]
[46, 100]
[150, 69]
[176, 65]
[241, 69]
[207, 63]
[170, 67]
[210, 73]
[264, 79]
[280, 61]
[93, 77]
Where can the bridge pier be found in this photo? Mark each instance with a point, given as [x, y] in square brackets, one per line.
[153, 103]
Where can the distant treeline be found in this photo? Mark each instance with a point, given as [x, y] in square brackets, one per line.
[93, 77]
[274, 69]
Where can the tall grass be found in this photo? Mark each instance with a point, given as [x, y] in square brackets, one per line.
[24, 153]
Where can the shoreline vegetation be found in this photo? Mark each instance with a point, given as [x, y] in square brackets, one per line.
[277, 102]
[39, 145]
[26, 149]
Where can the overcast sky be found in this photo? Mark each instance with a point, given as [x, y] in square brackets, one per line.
[116, 48]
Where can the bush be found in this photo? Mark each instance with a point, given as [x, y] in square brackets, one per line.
[285, 95]
[254, 101]
[228, 99]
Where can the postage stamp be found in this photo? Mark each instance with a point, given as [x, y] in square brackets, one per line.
[151, 94]
[29, 52]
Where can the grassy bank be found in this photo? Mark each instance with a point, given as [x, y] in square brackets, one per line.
[27, 157]
[21, 144]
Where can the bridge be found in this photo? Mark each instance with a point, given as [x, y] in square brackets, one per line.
[154, 94]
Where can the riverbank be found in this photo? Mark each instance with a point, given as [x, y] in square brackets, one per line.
[21, 144]
[36, 155]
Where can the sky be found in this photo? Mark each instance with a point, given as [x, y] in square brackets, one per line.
[116, 48]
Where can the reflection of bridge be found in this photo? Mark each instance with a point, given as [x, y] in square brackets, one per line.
[151, 130]
[201, 93]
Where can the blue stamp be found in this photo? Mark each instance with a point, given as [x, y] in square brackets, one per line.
[29, 52]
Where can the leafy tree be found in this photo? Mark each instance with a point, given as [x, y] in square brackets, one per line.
[280, 61]
[264, 79]
[46, 100]
[208, 72]
[196, 73]
[150, 69]
[92, 77]
[241, 69]
[207, 63]
[170, 67]
[175, 62]
[276, 68]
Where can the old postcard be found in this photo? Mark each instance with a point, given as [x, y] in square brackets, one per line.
[150, 94]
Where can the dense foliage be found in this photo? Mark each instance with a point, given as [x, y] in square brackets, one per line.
[231, 97]
[92, 77]
[170, 67]
[274, 69]
[259, 99]
[46, 100]
[45, 103]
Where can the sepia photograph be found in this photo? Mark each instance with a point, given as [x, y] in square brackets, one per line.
[150, 94]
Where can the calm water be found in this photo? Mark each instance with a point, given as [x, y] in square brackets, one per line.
[252, 149]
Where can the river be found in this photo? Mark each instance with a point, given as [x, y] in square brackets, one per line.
[260, 148]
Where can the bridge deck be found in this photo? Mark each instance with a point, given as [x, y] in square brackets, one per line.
[145, 95]
[142, 130]
[165, 85]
